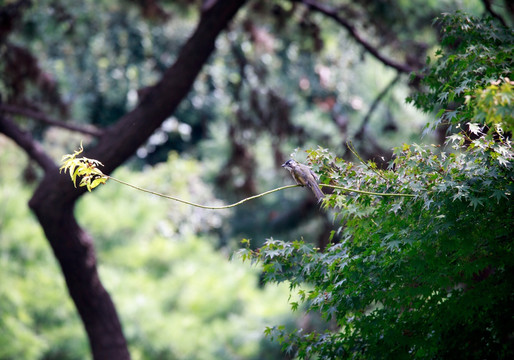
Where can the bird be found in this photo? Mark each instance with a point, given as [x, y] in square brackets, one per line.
[304, 176]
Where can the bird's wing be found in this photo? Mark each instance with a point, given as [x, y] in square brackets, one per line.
[314, 175]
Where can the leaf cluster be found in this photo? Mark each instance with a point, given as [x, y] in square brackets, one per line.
[85, 169]
[492, 105]
[474, 52]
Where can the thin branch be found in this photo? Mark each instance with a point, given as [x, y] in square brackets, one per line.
[373, 106]
[255, 196]
[489, 9]
[90, 130]
[25, 140]
[332, 13]
[209, 207]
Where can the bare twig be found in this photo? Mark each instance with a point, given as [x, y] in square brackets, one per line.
[12, 109]
[350, 147]
[209, 207]
[25, 140]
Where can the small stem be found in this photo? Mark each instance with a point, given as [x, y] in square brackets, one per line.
[204, 206]
[350, 147]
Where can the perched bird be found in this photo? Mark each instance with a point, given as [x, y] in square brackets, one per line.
[303, 175]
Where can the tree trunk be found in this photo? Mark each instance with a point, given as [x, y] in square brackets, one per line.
[74, 250]
[54, 199]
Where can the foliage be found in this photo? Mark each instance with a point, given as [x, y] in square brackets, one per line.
[424, 277]
[87, 169]
[474, 53]
[494, 105]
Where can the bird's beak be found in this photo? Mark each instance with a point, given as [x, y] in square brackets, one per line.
[284, 165]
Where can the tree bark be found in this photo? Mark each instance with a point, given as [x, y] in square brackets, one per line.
[54, 200]
[74, 249]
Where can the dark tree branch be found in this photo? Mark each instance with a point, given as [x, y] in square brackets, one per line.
[373, 106]
[54, 199]
[333, 14]
[489, 9]
[25, 140]
[89, 130]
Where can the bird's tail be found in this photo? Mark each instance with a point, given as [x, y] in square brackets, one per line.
[317, 192]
